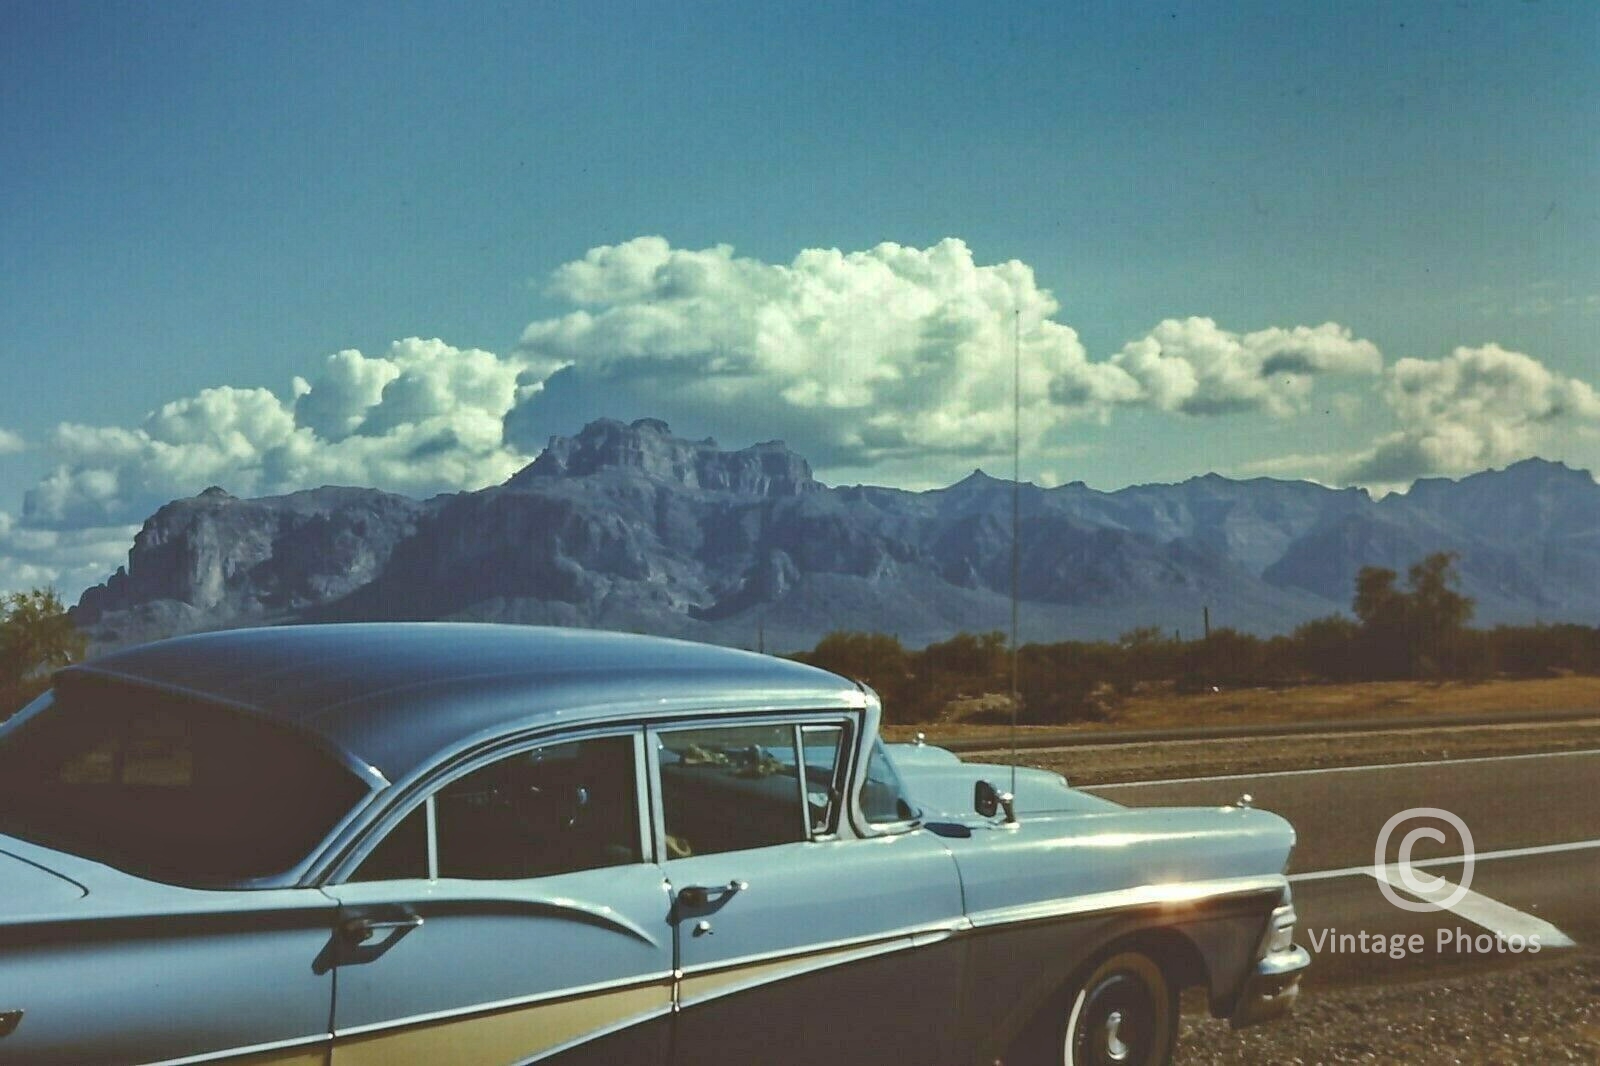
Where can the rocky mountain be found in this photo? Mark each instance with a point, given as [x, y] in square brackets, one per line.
[627, 526]
[216, 561]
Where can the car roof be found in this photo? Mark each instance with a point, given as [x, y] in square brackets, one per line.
[395, 696]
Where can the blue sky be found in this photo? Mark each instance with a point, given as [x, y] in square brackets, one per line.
[221, 197]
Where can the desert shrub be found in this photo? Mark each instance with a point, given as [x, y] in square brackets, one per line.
[1326, 648]
[874, 659]
[36, 637]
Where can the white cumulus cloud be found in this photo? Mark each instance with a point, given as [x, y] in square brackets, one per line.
[856, 357]
[1475, 408]
[348, 388]
[869, 357]
[1195, 367]
[422, 417]
[67, 560]
[11, 442]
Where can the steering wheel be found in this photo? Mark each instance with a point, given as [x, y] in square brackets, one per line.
[541, 813]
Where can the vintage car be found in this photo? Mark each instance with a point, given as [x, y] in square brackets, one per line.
[481, 844]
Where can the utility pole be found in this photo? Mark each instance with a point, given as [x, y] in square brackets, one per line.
[1016, 516]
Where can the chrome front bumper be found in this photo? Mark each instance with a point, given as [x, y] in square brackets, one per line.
[1272, 989]
[1274, 984]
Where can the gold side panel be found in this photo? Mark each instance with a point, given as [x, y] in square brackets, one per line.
[697, 987]
[510, 1035]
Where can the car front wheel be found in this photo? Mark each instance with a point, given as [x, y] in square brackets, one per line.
[1124, 1014]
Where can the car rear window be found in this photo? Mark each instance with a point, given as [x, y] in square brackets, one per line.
[167, 788]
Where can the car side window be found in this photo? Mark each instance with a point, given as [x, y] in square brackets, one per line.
[882, 798]
[554, 809]
[730, 788]
[548, 810]
[821, 747]
[402, 854]
[169, 788]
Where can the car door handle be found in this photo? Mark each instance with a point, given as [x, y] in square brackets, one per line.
[362, 930]
[700, 895]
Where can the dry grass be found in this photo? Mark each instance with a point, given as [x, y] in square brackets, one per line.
[1098, 764]
[1374, 700]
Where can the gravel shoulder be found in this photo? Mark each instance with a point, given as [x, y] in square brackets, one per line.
[1546, 1011]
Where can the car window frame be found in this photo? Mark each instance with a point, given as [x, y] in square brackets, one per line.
[861, 757]
[849, 720]
[894, 825]
[423, 793]
[836, 787]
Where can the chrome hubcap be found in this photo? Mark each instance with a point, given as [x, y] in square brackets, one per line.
[1116, 1050]
[1112, 1023]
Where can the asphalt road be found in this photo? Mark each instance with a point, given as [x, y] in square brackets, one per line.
[1535, 827]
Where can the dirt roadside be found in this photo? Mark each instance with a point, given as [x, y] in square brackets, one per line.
[1157, 708]
[1092, 764]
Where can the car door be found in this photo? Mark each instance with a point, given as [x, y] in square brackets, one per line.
[797, 940]
[514, 915]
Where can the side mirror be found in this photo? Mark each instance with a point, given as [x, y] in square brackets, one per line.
[989, 801]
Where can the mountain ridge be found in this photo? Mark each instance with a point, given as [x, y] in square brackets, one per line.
[625, 525]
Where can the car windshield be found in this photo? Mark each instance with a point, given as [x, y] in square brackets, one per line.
[167, 788]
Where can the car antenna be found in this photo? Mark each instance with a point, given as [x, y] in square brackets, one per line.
[1016, 510]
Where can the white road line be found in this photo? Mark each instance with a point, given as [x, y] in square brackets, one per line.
[1453, 860]
[1343, 769]
[1498, 918]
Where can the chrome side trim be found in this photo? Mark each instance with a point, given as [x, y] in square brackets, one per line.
[937, 936]
[595, 914]
[930, 934]
[556, 996]
[1176, 894]
[252, 1049]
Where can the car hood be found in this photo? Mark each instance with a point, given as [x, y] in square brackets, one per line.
[940, 785]
[1188, 841]
[1152, 855]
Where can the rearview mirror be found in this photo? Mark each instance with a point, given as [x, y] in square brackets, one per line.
[989, 801]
